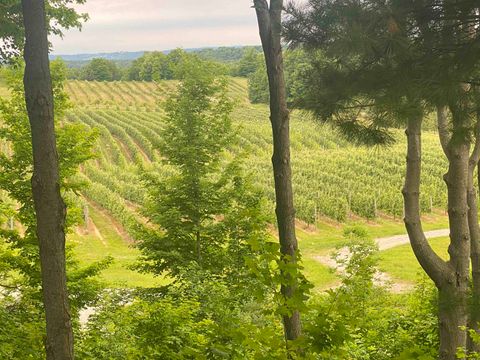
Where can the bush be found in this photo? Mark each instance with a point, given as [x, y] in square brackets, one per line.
[360, 320]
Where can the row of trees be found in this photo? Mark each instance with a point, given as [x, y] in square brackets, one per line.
[152, 66]
[157, 65]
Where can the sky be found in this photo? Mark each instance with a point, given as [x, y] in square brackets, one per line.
[136, 25]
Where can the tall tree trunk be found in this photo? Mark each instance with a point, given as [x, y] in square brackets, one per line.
[453, 293]
[451, 278]
[49, 206]
[475, 260]
[474, 320]
[270, 24]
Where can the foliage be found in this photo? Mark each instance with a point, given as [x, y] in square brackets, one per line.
[203, 320]
[360, 320]
[296, 68]
[19, 254]
[463, 354]
[371, 78]
[226, 54]
[100, 70]
[248, 64]
[144, 329]
[61, 14]
[203, 317]
[156, 66]
[205, 210]
[151, 66]
[258, 83]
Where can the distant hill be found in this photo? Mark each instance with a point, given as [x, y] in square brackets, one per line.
[116, 56]
[221, 54]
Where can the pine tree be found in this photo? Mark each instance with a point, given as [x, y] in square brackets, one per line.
[387, 64]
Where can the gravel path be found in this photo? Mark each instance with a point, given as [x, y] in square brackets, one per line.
[397, 240]
[381, 278]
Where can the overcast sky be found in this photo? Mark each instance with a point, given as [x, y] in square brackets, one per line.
[133, 25]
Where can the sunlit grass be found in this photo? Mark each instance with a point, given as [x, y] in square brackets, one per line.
[3, 88]
[90, 248]
[401, 264]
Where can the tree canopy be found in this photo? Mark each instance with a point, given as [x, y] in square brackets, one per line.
[100, 70]
[60, 13]
[206, 211]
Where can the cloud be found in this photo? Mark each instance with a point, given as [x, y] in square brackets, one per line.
[125, 25]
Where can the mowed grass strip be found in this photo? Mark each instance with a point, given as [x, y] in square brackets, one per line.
[399, 262]
[107, 241]
[402, 265]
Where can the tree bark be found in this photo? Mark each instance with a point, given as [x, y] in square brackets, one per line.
[49, 207]
[451, 278]
[269, 23]
[433, 265]
[453, 291]
[474, 227]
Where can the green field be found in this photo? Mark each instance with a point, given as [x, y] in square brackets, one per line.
[102, 238]
[334, 179]
[335, 183]
[401, 263]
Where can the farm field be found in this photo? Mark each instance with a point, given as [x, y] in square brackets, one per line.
[325, 183]
[328, 194]
[128, 116]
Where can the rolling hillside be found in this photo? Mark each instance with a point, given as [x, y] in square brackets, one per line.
[329, 192]
[326, 167]
[129, 115]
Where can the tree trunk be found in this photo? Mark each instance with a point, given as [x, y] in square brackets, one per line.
[49, 206]
[474, 228]
[452, 317]
[269, 23]
[475, 260]
[453, 306]
[451, 278]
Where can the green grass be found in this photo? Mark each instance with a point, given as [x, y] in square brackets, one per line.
[89, 248]
[329, 234]
[400, 262]
[321, 276]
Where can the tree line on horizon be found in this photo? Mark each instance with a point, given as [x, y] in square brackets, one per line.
[158, 65]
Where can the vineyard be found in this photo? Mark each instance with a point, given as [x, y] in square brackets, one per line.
[331, 178]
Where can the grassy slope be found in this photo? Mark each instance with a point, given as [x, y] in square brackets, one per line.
[399, 263]
[89, 247]
[3, 87]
